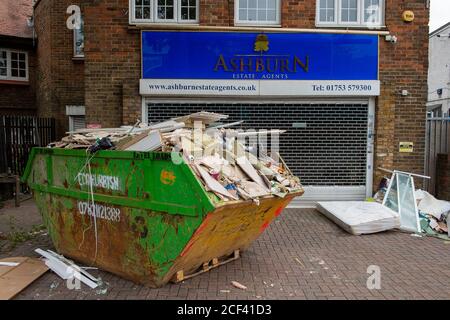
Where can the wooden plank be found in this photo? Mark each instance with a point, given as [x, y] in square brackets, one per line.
[180, 276]
[206, 267]
[15, 279]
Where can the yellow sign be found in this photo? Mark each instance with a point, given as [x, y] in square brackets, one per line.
[406, 147]
[408, 16]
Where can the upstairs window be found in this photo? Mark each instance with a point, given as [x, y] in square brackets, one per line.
[327, 11]
[164, 11]
[350, 13]
[372, 12]
[13, 65]
[257, 12]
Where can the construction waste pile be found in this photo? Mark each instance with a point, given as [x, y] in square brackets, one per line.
[396, 205]
[216, 153]
[434, 215]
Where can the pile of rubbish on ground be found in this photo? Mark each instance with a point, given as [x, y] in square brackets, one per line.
[396, 205]
[217, 153]
[434, 215]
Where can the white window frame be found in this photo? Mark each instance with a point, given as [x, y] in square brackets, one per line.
[176, 3]
[338, 23]
[8, 76]
[238, 22]
[358, 14]
[380, 15]
[326, 22]
[154, 14]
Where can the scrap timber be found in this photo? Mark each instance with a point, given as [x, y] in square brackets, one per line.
[216, 153]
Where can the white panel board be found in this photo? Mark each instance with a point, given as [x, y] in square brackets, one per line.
[252, 88]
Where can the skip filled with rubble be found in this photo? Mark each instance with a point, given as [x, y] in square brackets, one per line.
[217, 152]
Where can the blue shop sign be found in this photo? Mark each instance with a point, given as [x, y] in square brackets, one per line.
[259, 56]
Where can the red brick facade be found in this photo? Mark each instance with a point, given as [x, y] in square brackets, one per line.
[108, 81]
[60, 77]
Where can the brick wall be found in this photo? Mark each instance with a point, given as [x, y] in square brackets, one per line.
[403, 65]
[112, 69]
[112, 64]
[60, 77]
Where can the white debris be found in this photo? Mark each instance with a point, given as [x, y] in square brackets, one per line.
[66, 269]
[238, 285]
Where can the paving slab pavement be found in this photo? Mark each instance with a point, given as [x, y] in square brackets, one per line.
[302, 256]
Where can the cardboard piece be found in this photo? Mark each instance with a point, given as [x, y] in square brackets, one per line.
[14, 279]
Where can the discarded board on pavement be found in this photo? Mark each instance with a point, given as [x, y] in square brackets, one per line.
[18, 273]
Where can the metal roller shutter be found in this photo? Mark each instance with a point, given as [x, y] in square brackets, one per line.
[326, 143]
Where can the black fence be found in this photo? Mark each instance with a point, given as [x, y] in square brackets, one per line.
[18, 135]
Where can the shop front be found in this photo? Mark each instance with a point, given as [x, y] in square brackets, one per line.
[321, 88]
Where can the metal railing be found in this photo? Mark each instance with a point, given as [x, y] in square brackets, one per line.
[437, 141]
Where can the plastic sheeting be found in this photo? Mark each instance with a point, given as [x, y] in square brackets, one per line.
[432, 206]
[360, 217]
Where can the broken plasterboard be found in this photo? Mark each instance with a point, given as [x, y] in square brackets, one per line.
[14, 279]
[130, 140]
[248, 168]
[213, 184]
[254, 190]
[214, 162]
